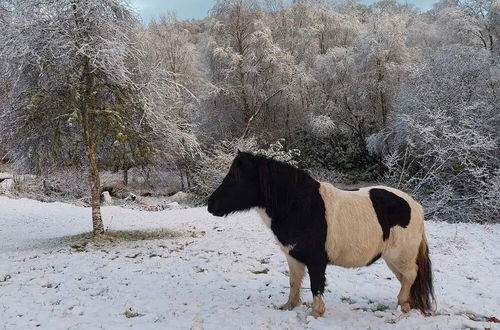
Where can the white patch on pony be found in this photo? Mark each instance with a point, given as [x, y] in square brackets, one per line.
[264, 217]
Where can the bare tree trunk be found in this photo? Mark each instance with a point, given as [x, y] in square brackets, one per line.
[189, 180]
[125, 175]
[125, 168]
[243, 93]
[384, 109]
[95, 187]
[322, 46]
[383, 104]
[90, 138]
[181, 175]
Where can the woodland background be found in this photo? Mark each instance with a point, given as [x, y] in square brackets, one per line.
[354, 94]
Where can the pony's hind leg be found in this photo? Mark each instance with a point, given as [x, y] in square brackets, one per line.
[405, 270]
[296, 274]
[408, 276]
[394, 270]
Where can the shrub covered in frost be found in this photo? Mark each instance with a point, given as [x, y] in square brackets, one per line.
[214, 164]
[443, 146]
[277, 151]
[337, 153]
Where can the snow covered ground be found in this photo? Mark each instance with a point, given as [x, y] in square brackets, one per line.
[220, 273]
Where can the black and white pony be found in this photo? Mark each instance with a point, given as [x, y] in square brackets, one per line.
[317, 224]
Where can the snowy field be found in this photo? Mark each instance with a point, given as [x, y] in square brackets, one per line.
[218, 273]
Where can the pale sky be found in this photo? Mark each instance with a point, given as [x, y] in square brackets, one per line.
[185, 9]
[188, 9]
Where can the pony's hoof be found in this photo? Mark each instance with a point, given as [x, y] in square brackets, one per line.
[318, 307]
[288, 306]
[405, 307]
[317, 313]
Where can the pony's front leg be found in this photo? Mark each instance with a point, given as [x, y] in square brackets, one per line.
[296, 274]
[317, 276]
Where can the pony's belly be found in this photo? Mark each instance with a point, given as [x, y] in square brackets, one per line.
[353, 248]
[353, 241]
[349, 259]
[354, 235]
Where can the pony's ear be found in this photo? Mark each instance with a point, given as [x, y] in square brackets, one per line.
[245, 158]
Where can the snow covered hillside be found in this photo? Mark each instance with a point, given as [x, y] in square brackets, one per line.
[217, 273]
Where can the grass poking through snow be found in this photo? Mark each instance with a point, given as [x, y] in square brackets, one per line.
[80, 242]
[139, 235]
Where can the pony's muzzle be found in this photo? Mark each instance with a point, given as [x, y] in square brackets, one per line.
[213, 209]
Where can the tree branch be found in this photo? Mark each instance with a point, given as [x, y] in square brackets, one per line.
[256, 113]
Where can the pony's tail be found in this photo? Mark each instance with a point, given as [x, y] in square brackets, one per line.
[422, 290]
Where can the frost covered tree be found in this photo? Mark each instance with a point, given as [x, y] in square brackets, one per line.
[382, 57]
[443, 142]
[251, 76]
[168, 49]
[71, 80]
[482, 15]
[79, 82]
[471, 22]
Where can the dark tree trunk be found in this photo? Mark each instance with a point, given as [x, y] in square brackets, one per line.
[181, 175]
[125, 175]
